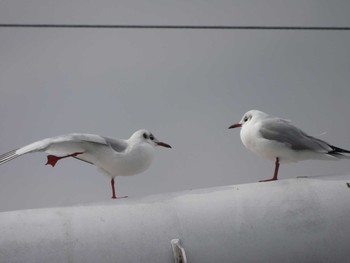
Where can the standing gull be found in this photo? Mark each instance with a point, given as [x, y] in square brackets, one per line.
[112, 156]
[278, 140]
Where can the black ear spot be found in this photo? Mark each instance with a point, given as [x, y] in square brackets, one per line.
[246, 118]
[145, 136]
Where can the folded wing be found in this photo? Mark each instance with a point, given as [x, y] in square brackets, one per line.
[284, 132]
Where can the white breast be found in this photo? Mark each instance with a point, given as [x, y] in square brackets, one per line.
[134, 160]
[253, 141]
[249, 136]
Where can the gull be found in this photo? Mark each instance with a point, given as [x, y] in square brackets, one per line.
[114, 157]
[277, 139]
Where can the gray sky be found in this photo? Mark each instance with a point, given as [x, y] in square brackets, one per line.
[186, 87]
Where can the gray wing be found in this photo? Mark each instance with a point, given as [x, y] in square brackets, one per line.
[283, 131]
[65, 145]
[117, 144]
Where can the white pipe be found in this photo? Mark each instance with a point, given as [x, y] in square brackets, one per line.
[294, 220]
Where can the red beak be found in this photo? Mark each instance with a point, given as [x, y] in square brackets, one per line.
[237, 125]
[163, 144]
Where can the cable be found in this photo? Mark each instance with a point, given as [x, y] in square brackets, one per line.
[174, 27]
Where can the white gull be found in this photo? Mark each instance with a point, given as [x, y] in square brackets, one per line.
[277, 139]
[114, 157]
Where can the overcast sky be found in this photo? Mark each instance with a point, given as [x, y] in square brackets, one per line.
[186, 86]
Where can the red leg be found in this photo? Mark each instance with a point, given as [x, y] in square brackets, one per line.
[113, 190]
[52, 159]
[275, 174]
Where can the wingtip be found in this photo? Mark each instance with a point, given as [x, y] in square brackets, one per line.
[8, 156]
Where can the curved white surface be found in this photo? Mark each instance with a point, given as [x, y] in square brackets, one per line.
[294, 220]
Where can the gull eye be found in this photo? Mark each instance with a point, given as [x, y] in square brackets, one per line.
[145, 136]
[247, 118]
[151, 137]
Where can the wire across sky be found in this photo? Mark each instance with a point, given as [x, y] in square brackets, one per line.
[198, 27]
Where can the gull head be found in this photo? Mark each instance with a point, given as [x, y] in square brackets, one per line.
[144, 136]
[249, 117]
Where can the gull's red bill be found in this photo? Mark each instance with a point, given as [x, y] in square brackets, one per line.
[163, 144]
[237, 125]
